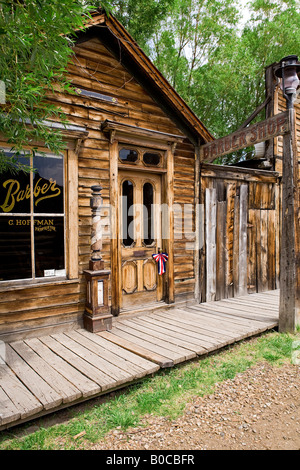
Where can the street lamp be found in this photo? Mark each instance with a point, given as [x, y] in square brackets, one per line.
[289, 306]
[287, 70]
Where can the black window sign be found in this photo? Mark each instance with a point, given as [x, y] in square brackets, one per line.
[32, 220]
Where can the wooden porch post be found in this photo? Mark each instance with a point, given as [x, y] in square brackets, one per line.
[289, 309]
[96, 316]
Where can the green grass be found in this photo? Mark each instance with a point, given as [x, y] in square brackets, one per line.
[165, 394]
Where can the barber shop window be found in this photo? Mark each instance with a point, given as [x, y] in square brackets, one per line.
[32, 219]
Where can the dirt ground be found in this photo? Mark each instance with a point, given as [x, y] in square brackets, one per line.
[257, 410]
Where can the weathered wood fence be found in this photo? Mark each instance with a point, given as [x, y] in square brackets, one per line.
[240, 228]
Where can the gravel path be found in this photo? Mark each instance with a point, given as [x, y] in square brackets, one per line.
[258, 409]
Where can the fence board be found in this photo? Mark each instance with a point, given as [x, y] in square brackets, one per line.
[211, 214]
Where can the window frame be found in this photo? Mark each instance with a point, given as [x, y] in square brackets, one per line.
[141, 151]
[70, 216]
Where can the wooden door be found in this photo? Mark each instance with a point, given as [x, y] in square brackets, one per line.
[140, 229]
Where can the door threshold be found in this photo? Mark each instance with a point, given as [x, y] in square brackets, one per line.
[134, 311]
[149, 308]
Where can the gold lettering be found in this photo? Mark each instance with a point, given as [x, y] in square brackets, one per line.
[51, 187]
[10, 201]
[16, 194]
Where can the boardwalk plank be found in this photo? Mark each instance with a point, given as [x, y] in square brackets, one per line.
[254, 310]
[174, 339]
[241, 313]
[119, 357]
[69, 391]
[137, 349]
[8, 411]
[236, 316]
[193, 336]
[107, 379]
[199, 344]
[131, 334]
[228, 322]
[163, 339]
[207, 327]
[254, 305]
[76, 365]
[26, 403]
[30, 378]
[82, 366]
[146, 365]
[108, 363]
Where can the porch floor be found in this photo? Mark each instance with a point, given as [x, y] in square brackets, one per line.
[42, 375]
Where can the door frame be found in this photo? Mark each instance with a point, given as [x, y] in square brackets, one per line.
[139, 178]
[165, 143]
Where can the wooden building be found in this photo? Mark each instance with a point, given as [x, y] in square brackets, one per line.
[129, 132]
[133, 135]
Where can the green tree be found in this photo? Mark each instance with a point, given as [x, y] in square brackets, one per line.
[228, 89]
[35, 47]
[142, 18]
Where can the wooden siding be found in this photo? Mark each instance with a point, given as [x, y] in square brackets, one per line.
[242, 228]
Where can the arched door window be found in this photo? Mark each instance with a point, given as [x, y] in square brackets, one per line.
[148, 225]
[127, 213]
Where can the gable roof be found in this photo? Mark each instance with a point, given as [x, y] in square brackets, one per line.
[119, 42]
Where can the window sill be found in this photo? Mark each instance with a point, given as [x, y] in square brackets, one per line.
[6, 286]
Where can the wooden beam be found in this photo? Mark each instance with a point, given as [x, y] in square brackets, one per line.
[115, 238]
[289, 309]
[170, 242]
[211, 218]
[264, 130]
[255, 113]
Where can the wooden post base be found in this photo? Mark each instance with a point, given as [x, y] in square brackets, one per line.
[97, 323]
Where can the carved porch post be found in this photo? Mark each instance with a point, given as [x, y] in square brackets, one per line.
[97, 315]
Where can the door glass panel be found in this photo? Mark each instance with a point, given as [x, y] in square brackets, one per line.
[128, 155]
[127, 213]
[148, 196]
[151, 158]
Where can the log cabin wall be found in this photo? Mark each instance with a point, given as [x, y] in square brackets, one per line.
[28, 310]
[241, 230]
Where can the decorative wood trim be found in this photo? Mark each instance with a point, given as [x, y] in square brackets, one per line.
[142, 169]
[120, 131]
[197, 224]
[169, 199]
[115, 241]
[72, 215]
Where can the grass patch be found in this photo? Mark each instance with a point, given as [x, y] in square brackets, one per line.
[166, 394]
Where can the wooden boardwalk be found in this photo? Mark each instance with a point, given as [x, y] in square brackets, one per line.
[45, 374]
